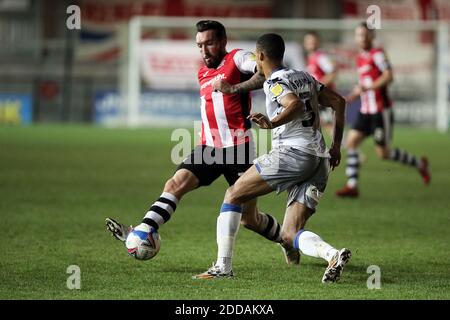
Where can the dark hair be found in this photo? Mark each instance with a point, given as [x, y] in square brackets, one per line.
[218, 28]
[272, 45]
[366, 26]
[312, 33]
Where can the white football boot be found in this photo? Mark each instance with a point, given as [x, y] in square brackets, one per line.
[118, 230]
[336, 266]
[214, 272]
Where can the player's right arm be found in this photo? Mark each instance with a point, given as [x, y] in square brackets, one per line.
[383, 80]
[293, 107]
[382, 63]
[328, 97]
[386, 77]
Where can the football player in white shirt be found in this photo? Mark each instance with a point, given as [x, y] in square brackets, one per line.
[299, 161]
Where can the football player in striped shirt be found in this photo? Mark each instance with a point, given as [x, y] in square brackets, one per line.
[226, 147]
[375, 115]
[323, 69]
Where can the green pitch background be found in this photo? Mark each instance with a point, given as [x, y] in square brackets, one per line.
[57, 185]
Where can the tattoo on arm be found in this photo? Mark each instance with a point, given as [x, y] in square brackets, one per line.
[254, 83]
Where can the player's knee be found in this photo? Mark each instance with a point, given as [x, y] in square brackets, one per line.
[351, 144]
[176, 187]
[231, 196]
[171, 186]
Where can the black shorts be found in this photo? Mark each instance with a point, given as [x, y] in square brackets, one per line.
[380, 125]
[208, 163]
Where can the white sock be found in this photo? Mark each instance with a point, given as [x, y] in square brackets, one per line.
[227, 227]
[312, 245]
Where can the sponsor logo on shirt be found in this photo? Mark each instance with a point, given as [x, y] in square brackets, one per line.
[209, 82]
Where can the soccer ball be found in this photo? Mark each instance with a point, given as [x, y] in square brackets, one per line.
[143, 245]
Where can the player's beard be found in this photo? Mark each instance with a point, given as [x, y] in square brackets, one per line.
[211, 62]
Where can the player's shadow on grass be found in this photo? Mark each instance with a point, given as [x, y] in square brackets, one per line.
[353, 273]
[190, 269]
[390, 273]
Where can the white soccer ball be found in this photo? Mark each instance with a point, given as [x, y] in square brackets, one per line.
[143, 245]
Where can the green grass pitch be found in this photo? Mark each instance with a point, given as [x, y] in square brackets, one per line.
[58, 184]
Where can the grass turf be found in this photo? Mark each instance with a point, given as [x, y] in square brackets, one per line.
[58, 183]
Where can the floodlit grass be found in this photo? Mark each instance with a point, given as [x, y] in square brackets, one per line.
[58, 184]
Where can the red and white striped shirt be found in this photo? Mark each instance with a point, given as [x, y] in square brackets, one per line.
[371, 65]
[224, 116]
[319, 65]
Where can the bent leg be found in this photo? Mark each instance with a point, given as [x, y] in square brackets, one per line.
[162, 209]
[354, 139]
[182, 182]
[245, 190]
[293, 233]
[295, 219]
[311, 244]
[262, 223]
[248, 187]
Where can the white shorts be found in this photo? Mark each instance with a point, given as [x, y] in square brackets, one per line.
[303, 175]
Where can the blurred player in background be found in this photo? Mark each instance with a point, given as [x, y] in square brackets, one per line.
[226, 146]
[321, 67]
[375, 115]
[299, 161]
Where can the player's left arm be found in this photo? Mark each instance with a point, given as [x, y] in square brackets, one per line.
[245, 61]
[329, 78]
[386, 77]
[254, 83]
[328, 97]
[293, 107]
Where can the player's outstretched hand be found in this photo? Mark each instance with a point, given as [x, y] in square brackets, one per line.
[222, 86]
[335, 156]
[261, 120]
